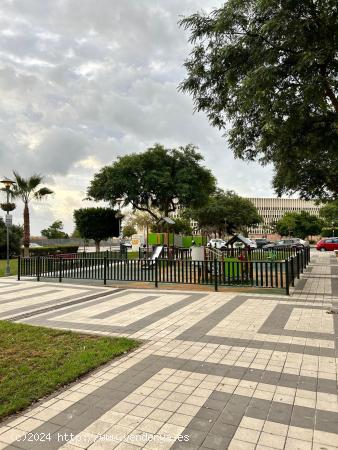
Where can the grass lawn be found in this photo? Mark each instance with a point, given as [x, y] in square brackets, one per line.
[13, 265]
[34, 361]
[133, 255]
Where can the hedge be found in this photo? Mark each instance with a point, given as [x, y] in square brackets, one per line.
[329, 232]
[52, 250]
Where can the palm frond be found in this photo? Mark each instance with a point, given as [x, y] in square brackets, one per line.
[42, 192]
[25, 188]
[34, 181]
[21, 183]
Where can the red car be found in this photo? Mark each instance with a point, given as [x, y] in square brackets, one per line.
[327, 244]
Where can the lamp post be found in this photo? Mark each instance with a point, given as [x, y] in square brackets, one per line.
[333, 228]
[7, 207]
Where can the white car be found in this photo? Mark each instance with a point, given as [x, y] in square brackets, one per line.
[219, 244]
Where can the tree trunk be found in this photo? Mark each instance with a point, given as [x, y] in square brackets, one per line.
[26, 230]
[97, 246]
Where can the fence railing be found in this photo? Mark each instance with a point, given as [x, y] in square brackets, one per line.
[211, 253]
[261, 274]
[167, 253]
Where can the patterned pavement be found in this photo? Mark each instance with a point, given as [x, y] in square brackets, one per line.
[215, 371]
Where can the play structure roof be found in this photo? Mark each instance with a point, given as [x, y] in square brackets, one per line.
[167, 220]
[238, 238]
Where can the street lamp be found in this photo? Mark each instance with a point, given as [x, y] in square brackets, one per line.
[8, 207]
[333, 228]
[119, 214]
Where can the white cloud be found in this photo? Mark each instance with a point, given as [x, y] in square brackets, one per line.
[82, 82]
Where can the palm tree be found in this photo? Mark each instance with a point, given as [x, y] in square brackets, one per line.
[27, 189]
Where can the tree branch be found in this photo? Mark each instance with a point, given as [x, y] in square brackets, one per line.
[140, 208]
[329, 93]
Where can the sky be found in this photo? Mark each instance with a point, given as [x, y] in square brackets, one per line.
[83, 81]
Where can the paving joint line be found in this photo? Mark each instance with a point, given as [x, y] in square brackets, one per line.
[61, 305]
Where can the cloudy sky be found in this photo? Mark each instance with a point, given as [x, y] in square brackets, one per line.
[84, 81]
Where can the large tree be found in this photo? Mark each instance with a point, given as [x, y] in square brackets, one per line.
[97, 224]
[329, 212]
[266, 73]
[28, 189]
[128, 230]
[299, 225]
[225, 212]
[55, 231]
[155, 181]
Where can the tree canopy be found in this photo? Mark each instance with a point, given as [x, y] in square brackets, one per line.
[225, 212]
[267, 71]
[299, 225]
[128, 230]
[55, 231]
[155, 181]
[329, 212]
[97, 224]
[15, 236]
[181, 226]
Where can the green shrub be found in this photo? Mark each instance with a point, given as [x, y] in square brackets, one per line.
[53, 250]
[329, 232]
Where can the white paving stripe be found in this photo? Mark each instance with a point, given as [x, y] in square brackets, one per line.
[38, 300]
[124, 318]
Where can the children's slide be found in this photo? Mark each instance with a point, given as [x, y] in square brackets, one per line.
[156, 254]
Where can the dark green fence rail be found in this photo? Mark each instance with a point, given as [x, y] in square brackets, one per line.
[259, 274]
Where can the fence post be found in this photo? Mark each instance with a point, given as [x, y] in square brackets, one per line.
[298, 269]
[287, 278]
[19, 267]
[105, 270]
[38, 268]
[215, 274]
[292, 262]
[60, 269]
[156, 274]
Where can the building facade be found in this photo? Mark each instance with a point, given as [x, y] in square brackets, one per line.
[273, 209]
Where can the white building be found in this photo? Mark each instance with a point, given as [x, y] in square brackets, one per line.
[273, 209]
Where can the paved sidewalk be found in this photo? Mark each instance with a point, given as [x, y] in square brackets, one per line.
[216, 370]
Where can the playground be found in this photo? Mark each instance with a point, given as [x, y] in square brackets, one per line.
[162, 265]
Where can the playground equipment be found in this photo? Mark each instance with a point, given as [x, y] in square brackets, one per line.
[156, 254]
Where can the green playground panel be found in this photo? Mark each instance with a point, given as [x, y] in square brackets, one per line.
[160, 239]
[232, 270]
[156, 238]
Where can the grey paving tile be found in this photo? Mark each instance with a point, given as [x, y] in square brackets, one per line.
[217, 419]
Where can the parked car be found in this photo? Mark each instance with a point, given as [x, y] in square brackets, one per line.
[219, 244]
[260, 242]
[286, 243]
[327, 244]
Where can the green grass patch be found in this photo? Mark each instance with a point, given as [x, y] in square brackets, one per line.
[34, 361]
[133, 255]
[13, 265]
